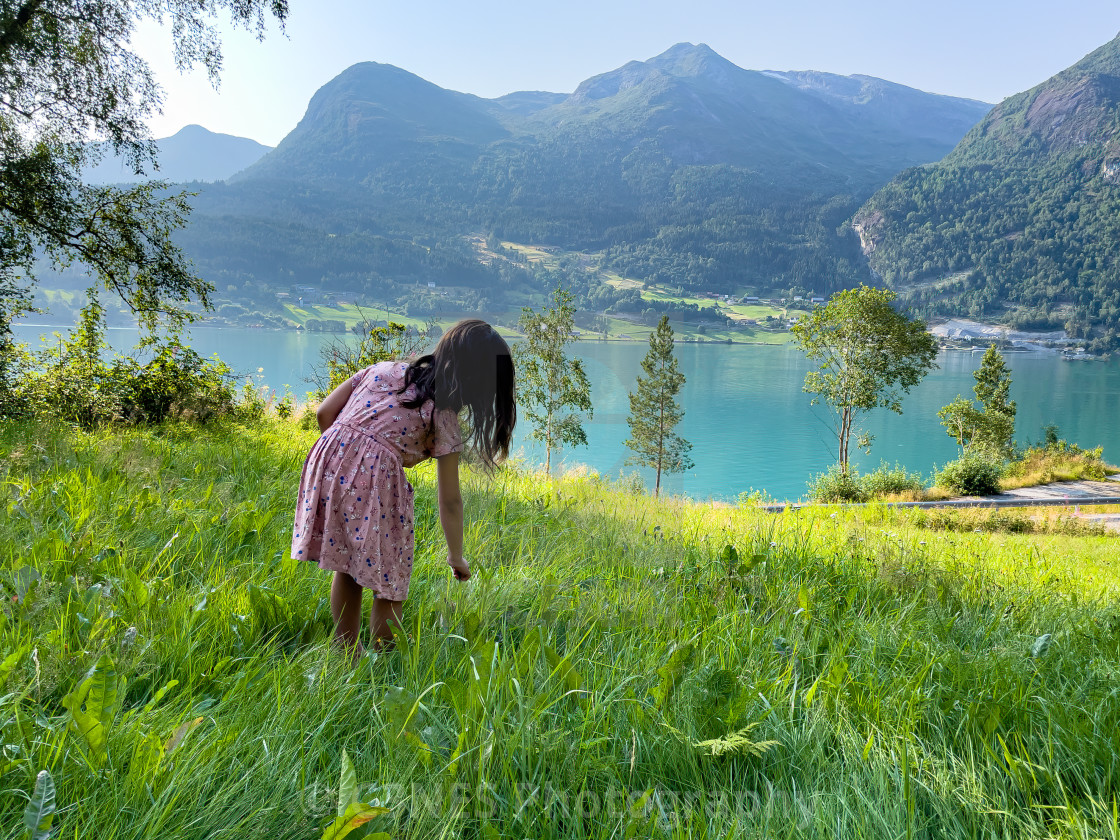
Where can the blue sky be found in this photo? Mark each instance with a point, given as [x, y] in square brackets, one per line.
[984, 49]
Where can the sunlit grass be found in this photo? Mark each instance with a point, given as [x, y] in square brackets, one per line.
[861, 675]
[1044, 466]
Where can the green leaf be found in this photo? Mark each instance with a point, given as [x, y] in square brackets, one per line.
[671, 673]
[803, 600]
[563, 668]
[639, 820]
[347, 785]
[355, 816]
[399, 705]
[146, 757]
[39, 813]
[10, 662]
[748, 565]
[1041, 645]
[151, 704]
[93, 706]
[180, 733]
[812, 692]
[734, 743]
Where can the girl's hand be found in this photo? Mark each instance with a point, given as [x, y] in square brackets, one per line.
[460, 568]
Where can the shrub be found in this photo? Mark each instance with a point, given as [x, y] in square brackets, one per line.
[630, 482]
[176, 382]
[756, 497]
[975, 473]
[885, 482]
[1057, 460]
[836, 485]
[888, 481]
[989, 520]
[75, 383]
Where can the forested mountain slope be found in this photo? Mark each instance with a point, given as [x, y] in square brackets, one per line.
[684, 169]
[1022, 219]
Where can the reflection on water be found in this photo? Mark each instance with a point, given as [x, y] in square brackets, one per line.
[750, 423]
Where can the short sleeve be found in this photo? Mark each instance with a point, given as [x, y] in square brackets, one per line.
[446, 436]
[357, 378]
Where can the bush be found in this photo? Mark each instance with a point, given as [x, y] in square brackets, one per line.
[74, 382]
[752, 497]
[892, 481]
[835, 485]
[177, 382]
[884, 482]
[989, 520]
[975, 473]
[630, 482]
[1055, 459]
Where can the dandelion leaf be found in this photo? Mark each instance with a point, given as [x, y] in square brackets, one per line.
[10, 662]
[671, 673]
[93, 706]
[39, 813]
[347, 785]
[355, 816]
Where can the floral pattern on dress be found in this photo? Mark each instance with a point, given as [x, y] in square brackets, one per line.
[355, 507]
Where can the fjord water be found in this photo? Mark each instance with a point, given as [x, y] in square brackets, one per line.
[750, 423]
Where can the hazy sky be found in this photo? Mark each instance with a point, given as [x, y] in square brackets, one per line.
[982, 49]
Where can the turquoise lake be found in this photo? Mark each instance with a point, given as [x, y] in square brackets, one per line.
[750, 423]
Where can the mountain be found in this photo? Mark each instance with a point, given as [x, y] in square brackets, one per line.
[885, 106]
[689, 104]
[684, 168]
[375, 116]
[191, 154]
[1021, 221]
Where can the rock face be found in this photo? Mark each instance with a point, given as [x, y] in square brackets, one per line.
[1025, 211]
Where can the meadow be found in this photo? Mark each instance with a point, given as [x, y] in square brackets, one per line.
[618, 667]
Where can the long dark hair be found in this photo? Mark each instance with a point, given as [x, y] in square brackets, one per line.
[470, 368]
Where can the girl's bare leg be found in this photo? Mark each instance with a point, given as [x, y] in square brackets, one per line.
[346, 610]
[383, 616]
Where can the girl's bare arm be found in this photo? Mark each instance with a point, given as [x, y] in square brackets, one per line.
[330, 407]
[451, 512]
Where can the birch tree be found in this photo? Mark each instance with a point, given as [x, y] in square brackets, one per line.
[552, 387]
[870, 356]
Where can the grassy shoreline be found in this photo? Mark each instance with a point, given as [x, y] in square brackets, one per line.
[612, 671]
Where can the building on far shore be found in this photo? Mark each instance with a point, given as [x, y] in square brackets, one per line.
[961, 329]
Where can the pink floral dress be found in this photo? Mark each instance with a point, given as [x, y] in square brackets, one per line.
[354, 512]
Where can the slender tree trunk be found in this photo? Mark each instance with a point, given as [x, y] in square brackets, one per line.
[548, 445]
[660, 442]
[842, 453]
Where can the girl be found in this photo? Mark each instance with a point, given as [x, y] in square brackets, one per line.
[354, 515]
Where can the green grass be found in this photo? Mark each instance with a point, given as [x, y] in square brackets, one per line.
[858, 676]
[352, 315]
[689, 332]
[1045, 465]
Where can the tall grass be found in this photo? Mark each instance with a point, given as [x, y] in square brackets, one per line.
[1057, 462]
[612, 670]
